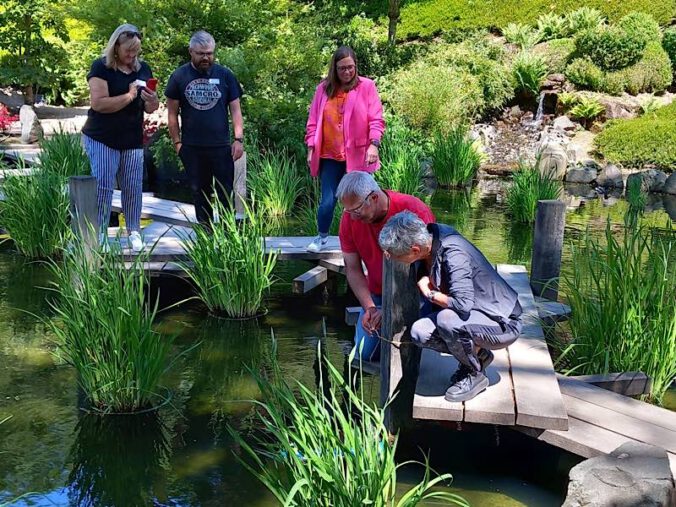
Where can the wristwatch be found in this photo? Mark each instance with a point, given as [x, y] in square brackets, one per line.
[375, 142]
[431, 294]
[239, 140]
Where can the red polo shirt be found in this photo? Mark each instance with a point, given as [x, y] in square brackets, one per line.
[360, 238]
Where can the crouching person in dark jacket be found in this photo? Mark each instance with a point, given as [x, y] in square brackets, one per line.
[474, 310]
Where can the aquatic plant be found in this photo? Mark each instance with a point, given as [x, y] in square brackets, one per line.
[63, 154]
[401, 160]
[636, 198]
[35, 213]
[104, 328]
[623, 296]
[328, 446]
[229, 265]
[276, 181]
[455, 160]
[529, 185]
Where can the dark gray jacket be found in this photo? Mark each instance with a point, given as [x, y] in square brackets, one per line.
[460, 270]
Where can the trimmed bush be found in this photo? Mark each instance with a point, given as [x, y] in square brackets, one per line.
[556, 53]
[669, 45]
[610, 47]
[650, 74]
[640, 25]
[529, 71]
[648, 139]
[583, 73]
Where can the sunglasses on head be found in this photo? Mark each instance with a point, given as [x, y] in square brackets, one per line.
[131, 34]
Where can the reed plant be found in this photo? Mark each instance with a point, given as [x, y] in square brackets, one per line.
[623, 296]
[455, 159]
[328, 447]
[529, 185]
[229, 264]
[401, 160]
[636, 199]
[104, 328]
[275, 179]
[35, 213]
[64, 155]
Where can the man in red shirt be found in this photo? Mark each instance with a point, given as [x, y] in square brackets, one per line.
[367, 209]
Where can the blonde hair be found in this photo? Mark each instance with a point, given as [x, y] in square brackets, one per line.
[127, 35]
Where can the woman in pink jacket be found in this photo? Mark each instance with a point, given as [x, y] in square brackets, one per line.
[343, 132]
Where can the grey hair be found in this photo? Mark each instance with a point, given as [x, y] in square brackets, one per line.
[201, 38]
[110, 55]
[401, 232]
[357, 184]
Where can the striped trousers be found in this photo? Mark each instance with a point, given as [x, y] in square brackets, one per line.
[125, 166]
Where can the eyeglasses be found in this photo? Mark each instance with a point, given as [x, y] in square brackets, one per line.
[356, 211]
[201, 54]
[345, 68]
[131, 35]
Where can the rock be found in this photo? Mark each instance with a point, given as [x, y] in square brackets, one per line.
[563, 123]
[610, 177]
[514, 112]
[583, 190]
[581, 175]
[557, 78]
[652, 180]
[634, 474]
[624, 106]
[31, 130]
[553, 160]
[669, 203]
[670, 184]
[527, 116]
[580, 146]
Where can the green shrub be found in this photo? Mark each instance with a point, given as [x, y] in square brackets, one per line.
[567, 100]
[524, 36]
[552, 26]
[529, 186]
[328, 446]
[583, 73]
[652, 73]
[669, 45]
[583, 19]
[556, 53]
[640, 25]
[455, 159]
[529, 71]
[586, 110]
[104, 328]
[644, 140]
[35, 213]
[63, 154]
[614, 83]
[610, 47]
[229, 264]
[275, 180]
[623, 296]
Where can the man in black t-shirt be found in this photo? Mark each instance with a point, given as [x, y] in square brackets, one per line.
[203, 92]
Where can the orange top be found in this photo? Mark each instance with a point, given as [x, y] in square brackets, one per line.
[333, 140]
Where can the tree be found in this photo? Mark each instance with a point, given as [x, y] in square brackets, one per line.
[31, 32]
[393, 13]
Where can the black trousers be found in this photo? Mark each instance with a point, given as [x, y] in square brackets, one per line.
[204, 166]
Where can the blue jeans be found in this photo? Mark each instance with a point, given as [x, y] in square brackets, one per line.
[330, 174]
[370, 350]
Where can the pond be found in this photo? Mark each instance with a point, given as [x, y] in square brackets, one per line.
[183, 455]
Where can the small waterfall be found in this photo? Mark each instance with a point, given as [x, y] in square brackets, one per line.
[541, 109]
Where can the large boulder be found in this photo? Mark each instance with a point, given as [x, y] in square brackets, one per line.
[652, 180]
[584, 174]
[565, 124]
[634, 474]
[670, 184]
[610, 177]
[31, 130]
[624, 106]
[553, 160]
[580, 147]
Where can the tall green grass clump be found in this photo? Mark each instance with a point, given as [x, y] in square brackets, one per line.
[401, 160]
[35, 213]
[529, 185]
[328, 447]
[229, 264]
[64, 155]
[455, 159]
[276, 181]
[104, 328]
[623, 296]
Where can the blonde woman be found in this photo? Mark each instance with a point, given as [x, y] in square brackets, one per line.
[113, 133]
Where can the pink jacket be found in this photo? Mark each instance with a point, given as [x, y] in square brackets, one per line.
[362, 121]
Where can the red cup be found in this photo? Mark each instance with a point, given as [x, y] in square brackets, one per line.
[151, 84]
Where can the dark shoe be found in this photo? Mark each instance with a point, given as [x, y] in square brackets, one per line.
[467, 387]
[460, 373]
[485, 358]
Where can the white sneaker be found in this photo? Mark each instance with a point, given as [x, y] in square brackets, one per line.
[317, 244]
[103, 243]
[135, 241]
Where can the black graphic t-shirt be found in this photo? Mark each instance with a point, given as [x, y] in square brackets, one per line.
[123, 129]
[203, 100]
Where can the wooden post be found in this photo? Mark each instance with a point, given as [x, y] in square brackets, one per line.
[399, 361]
[547, 246]
[84, 210]
[240, 184]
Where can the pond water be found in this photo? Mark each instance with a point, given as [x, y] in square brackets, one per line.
[54, 454]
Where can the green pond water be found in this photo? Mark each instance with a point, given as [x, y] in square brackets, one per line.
[54, 454]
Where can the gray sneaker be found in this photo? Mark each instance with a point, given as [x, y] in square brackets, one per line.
[467, 387]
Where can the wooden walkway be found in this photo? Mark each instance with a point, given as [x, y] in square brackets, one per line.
[523, 386]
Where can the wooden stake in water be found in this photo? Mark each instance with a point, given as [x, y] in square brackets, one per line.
[84, 210]
[550, 220]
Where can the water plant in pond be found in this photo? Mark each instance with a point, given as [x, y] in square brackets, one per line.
[529, 185]
[275, 180]
[623, 296]
[104, 328]
[35, 213]
[455, 160]
[228, 262]
[328, 446]
[64, 155]
[636, 199]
